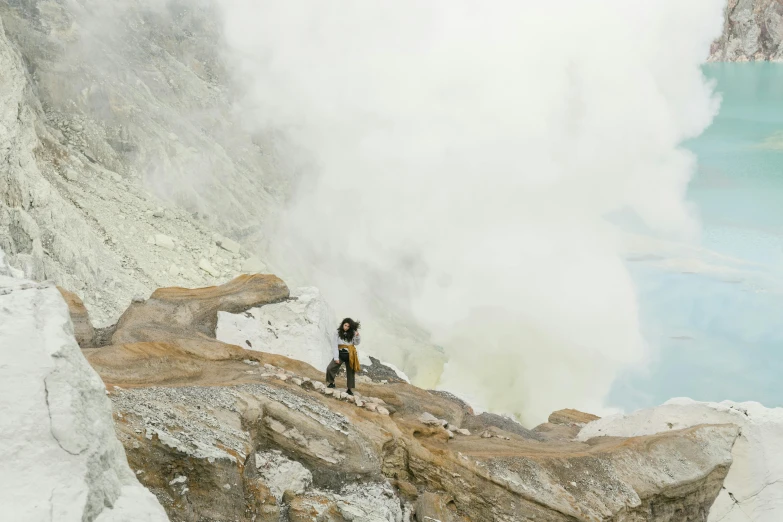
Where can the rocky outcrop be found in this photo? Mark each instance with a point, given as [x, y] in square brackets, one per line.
[222, 433]
[179, 313]
[60, 457]
[753, 31]
[753, 489]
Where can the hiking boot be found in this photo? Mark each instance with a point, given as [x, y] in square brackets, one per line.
[349, 392]
[331, 386]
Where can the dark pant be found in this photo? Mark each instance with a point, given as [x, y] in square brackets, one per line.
[333, 368]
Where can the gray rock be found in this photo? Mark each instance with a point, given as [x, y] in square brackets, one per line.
[430, 420]
[229, 245]
[162, 240]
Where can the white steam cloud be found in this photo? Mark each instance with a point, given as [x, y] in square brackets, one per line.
[462, 158]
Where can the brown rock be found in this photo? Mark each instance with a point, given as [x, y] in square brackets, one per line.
[310, 508]
[176, 313]
[570, 417]
[262, 502]
[82, 327]
[288, 496]
[563, 425]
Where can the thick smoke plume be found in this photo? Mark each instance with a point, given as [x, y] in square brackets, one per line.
[460, 160]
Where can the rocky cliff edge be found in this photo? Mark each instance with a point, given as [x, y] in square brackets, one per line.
[218, 432]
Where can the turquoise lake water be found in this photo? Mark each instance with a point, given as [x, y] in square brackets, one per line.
[718, 334]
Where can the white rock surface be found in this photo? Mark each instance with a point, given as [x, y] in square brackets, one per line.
[60, 457]
[281, 473]
[253, 265]
[300, 328]
[162, 240]
[753, 489]
[369, 502]
[207, 267]
[229, 245]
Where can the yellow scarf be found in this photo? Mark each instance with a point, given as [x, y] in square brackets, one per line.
[353, 357]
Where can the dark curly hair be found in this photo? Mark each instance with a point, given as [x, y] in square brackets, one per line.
[353, 327]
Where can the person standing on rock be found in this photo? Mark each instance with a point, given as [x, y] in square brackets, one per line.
[344, 351]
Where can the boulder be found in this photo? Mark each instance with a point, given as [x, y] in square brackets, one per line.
[570, 417]
[227, 244]
[162, 240]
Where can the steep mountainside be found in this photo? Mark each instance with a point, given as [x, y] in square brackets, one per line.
[95, 107]
[753, 31]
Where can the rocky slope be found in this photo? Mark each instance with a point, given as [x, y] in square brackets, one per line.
[752, 31]
[218, 432]
[124, 166]
[94, 107]
[60, 457]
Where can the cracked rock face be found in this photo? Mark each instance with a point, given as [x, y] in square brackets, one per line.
[60, 458]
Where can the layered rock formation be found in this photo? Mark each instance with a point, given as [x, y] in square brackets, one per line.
[60, 457]
[218, 432]
[752, 31]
